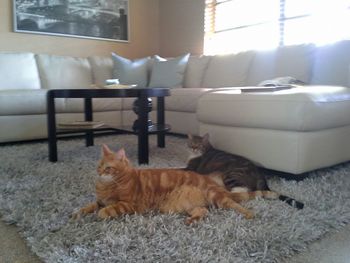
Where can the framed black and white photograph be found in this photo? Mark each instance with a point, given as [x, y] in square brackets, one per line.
[99, 19]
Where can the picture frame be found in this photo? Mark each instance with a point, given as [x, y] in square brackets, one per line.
[93, 19]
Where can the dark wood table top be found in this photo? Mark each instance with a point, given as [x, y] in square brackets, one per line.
[103, 93]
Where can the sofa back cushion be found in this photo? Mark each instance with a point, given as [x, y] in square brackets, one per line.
[195, 70]
[102, 68]
[331, 64]
[63, 72]
[294, 61]
[18, 71]
[227, 70]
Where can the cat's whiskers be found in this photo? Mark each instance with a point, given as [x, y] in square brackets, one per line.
[105, 178]
[194, 154]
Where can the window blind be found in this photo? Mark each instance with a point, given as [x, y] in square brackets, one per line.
[236, 25]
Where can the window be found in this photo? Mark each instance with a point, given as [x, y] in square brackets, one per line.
[237, 25]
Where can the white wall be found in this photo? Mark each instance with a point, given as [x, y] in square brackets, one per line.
[181, 27]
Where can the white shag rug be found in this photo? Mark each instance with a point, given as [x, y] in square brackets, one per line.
[39, 197]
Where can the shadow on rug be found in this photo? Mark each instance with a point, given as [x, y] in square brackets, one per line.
[39, 197]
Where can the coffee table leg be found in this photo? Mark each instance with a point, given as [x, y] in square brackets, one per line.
[161, 122]
[89, 137]
[143, 130]
[51, 127]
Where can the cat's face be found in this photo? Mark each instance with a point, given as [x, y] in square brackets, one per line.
[197, 144]
[111, 163]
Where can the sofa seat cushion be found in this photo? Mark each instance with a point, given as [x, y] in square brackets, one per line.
[18, 71]
[25, 102]
[184, 100]
[310, 108]
[127, 103]
[29, 102]
[98, 104]
[181, 99]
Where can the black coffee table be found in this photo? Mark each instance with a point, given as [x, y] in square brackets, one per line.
[143, 128]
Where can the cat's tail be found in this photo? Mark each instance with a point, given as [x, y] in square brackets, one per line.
[245, 196]
[291, 201]
[262, 185]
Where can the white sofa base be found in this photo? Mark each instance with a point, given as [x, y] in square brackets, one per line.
[36, 128]
[286, 151]
[11, 131]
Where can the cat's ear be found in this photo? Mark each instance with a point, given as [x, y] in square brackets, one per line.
[120, 155]
[105, 150]
[206, 137]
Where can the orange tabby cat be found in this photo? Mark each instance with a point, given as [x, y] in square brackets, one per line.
[123, 189]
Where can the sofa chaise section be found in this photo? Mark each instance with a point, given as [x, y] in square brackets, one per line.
[295, 130]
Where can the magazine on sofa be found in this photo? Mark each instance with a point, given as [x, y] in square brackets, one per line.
[267, 88]
[114, 86]
[119, 86]
[275, 84]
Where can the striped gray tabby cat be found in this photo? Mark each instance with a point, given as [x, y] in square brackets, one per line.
[234, 172]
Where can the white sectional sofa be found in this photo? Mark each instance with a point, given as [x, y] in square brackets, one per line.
[294, 131]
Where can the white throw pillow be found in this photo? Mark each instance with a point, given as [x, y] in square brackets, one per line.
[131, 71]
[168, 73]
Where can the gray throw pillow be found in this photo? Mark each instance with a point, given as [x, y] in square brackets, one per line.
[168, 73]
[131, 71]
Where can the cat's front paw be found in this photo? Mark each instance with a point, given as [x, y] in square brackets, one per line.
[75, 216]
[189, 221]
[107, 212]
[90, 208]
[79, 214]
[249, 215]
